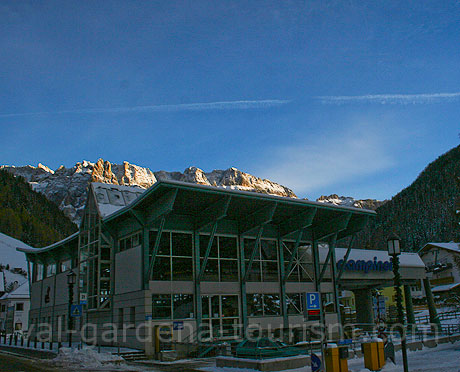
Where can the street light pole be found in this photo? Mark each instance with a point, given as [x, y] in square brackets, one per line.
[394, 251]
[71, 278]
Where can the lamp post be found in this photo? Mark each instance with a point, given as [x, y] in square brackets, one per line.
[71, 279]
[394, 250]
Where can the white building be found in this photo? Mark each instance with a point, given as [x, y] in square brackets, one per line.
[14, 306]
[442, 261]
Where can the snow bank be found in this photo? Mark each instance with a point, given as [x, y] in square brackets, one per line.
[89, 358]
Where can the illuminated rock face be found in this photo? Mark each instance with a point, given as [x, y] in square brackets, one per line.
[67, 187]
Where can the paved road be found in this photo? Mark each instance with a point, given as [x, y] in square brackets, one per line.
[10, 363]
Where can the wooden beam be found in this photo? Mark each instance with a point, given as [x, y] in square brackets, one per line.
[259, 218]
[331, 247]
[345, 259]
[138, 216]
[332, 227]
[213, 213]
[298, 222]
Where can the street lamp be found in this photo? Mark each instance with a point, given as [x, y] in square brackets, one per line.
[394, 250]
[71, 280]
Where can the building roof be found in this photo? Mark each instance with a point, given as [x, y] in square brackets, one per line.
[111, 198]
[70, 238]
[445, 287]
[20, 292]
[9, 254]
[451, 246]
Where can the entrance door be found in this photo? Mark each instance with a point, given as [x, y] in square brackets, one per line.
[220, 316]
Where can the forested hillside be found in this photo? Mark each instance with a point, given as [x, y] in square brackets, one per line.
[423, 212]
[29, 216]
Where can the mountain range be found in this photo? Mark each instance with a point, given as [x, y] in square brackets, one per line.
[422, 212]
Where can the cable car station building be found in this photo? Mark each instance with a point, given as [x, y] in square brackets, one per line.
[197, 257]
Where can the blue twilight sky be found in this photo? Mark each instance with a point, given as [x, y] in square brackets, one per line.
[349, 97]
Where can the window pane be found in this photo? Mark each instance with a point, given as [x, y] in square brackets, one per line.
[270, 271]
[272, 304]
[215, 312]
[205, 306]
[182, 268]
[183, 306]
[255, 306]
[164, 248]
[229, 327]
[162, 269]
[229, 270]
[182, 244]
[227, 247]
[229, 306]
[254, 271]
[268, 250]
[211, 273]
[161, 306]
[204, 240]
[294, 303]
[248, 246]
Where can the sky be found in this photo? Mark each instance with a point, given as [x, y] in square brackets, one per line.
[347, 97]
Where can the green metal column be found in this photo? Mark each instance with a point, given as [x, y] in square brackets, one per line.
[244, 303]
[283, 287]
[197, 285]
[409, 306]
[335, 284]
[145, 257]
[434, 319]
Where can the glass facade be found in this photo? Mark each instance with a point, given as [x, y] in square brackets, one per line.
[174, 259]
[95, 257]
[262, 304]
[222, 264]
[302, 269]
[172, 306]
[265, 265]
[220, 315]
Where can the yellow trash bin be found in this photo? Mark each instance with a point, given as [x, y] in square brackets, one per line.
[336, 358]
[374, 355]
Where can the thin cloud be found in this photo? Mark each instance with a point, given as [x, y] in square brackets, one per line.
[317, 163]
[391, 99]
[204, 106]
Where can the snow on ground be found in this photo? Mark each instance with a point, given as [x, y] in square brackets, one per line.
[89, 359]
[445, 358]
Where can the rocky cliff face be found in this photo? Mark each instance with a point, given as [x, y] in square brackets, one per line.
[348, 201]
[67, 187]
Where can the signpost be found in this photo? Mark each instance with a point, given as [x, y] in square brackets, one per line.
[313, 306]
[76, 311]
[83, 298]
[315, 363]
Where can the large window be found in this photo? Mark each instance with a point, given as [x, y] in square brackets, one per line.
[302, 268]
[95, 260]
[176, 306]
[294, 302]
[222, 264]
[265, 265]
[263, 304]
[130, 242]
[174, 257]
[50, 270]
[220, 315]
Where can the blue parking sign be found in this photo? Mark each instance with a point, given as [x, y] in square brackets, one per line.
[313, 301]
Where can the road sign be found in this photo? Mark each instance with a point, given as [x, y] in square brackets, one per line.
[178, 326]
[313, 301]
[76, 311]
[83, 298]
[315, 363]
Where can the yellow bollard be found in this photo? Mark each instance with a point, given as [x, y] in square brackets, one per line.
[336, 358]
[374, 356]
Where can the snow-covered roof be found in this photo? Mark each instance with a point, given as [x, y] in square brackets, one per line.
[47, 248]
[111, 198]
[8, 253]
[13, 277]
[21, 292]
[451, 246]
[445, 287]
[406, 259]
